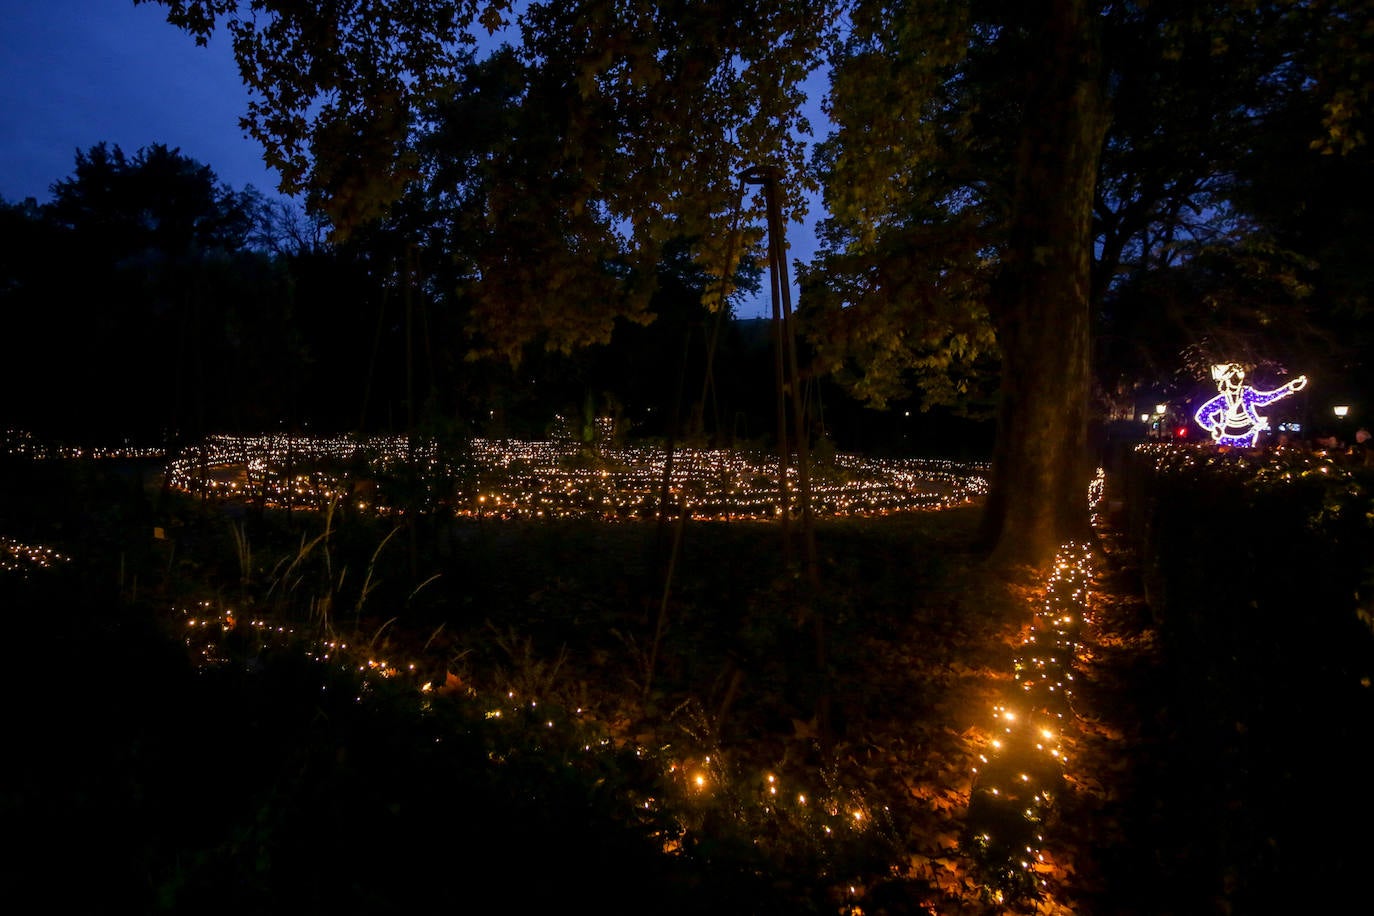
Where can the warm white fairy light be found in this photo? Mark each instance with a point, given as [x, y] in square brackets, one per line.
[23, 444]
[1016, 782]
[517, 479]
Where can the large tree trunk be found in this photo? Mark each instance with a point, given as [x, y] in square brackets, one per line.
[1038, 495]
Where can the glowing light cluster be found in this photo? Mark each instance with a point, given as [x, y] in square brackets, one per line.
[21, 558]
[551, 479]
[1097, 489]
[206, 625]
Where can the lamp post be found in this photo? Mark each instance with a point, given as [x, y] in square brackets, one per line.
[1341, 411]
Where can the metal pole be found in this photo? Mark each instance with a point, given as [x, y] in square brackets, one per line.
[764, 175]
[788, 383]
[788, 374]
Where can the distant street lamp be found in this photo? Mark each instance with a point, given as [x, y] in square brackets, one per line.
[1161, 408]
[1341, 410]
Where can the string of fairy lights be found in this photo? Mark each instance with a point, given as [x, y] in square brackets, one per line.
[510, 479]
[24, 444]
[513, 479]
[1022, 765]
[695, 774]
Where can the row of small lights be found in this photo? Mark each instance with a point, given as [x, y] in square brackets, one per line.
[1276, 468]
[23, 444]
[1023, 764]
[534, 479]
[541, 479]
[17, 557]
[695, 779]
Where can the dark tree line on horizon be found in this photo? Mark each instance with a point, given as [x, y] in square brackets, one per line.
[146, 299]
[149, 301]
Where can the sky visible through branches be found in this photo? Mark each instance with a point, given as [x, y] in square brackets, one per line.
[74, 73]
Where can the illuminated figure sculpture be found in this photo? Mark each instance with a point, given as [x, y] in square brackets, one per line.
[1230, 416]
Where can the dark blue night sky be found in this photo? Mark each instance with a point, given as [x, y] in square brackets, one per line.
[74, 73]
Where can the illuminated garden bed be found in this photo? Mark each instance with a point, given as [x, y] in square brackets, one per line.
[531, 646]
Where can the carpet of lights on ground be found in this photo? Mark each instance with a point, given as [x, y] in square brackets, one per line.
[549, 479]
[1021, 763]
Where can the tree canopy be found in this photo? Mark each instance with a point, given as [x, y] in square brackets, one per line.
[1003, 176]
[637, 119]
[197, 308]
[172, 314]
[931, 225]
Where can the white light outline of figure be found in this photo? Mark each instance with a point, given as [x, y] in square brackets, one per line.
[1230, 417]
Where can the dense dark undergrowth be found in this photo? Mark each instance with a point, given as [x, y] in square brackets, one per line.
[1259, 571]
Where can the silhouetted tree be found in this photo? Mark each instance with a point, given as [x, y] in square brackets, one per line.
[142, 307]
